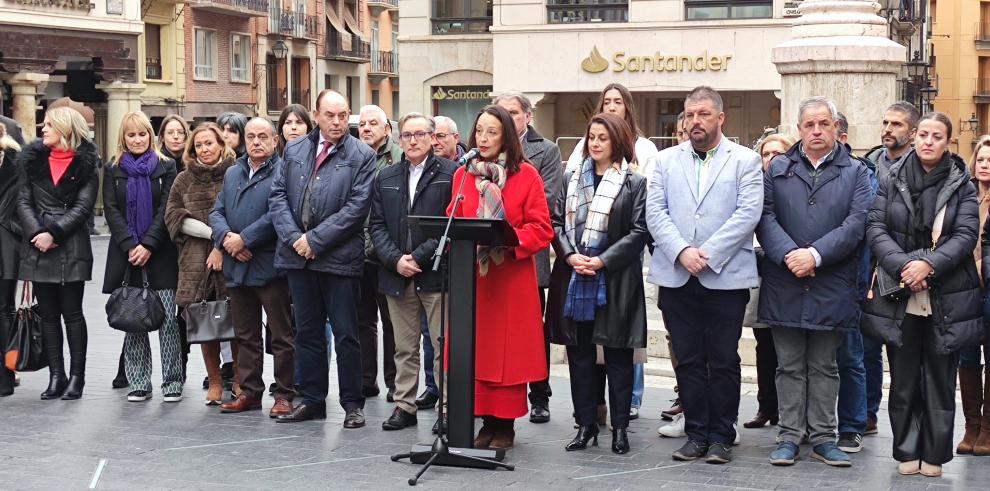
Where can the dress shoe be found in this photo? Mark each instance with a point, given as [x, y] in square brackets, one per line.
[56, 387]
[620, 441]
[241, 404]
[74, 389]
[760, 420]
[505, 435]
[399, 420]
[354, 418]
[282, 407]
[427, 400]
[301, 413]
[120, 382]
[486, 433]
[390, 395]
[539, 414]
[871, 427]
[674, 410]
[370, 391]
[584, 435]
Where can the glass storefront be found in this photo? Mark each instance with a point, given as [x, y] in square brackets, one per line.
[460, 103]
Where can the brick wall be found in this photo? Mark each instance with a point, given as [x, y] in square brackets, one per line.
[222, 90]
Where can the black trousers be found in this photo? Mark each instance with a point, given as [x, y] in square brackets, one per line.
[539, 391]
[705, 326]
[7, 291]
[371, 304]
[922, 401]
[316, 298]
[766, 371]
[63, 302]
[585, 384]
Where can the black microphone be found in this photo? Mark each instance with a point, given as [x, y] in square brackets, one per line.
[471, 154]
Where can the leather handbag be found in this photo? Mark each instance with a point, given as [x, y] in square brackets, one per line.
[888, 287]
[134, 309]
[208, 321]
[25, 350]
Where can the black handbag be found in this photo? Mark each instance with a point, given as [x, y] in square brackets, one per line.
[208, 321]
[25, 350]
[890, 288]
[133, 309]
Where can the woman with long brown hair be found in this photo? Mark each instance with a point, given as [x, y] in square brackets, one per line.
[616, 99]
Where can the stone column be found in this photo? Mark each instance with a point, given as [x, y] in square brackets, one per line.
[840, 50]
[24, 87]
[121, 98]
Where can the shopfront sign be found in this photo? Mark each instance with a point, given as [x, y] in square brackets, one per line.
[462, 93]
[621, 61]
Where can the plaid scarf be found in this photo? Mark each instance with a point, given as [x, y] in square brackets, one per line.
[587, 213]
[490, 180]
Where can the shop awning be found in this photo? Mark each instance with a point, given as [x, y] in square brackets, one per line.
[352, 25]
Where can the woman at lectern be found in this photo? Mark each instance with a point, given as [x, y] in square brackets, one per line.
[510, 352]
[596, 288]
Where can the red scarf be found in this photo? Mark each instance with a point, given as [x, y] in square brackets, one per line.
[59, 161]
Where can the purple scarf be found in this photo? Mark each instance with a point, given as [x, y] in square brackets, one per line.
[139, 200]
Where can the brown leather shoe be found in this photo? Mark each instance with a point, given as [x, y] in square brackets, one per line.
[760, 420]
[485, 434]
[504, 436]
[241, 404]
[282, 407]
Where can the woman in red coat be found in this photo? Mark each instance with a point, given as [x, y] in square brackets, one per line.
[509, 324]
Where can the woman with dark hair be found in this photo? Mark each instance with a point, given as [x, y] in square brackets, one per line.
[616, 99]
[172, 139]
[232, 124]
[58, 183]
[596, 288]
[10, 241]
[922, 229]
[510, 346]
[294, 122]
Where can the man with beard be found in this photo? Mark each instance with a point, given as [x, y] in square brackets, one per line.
[900, 121]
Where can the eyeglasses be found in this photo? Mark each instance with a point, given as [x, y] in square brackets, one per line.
[419, 135]
[441, 136]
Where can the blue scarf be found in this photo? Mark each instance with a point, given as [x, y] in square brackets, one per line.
[140, 210]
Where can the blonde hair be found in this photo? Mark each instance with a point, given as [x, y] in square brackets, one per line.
[134, 119]
[785, 140]
[71, 126]
[161, 131]
[190, 156]
[984, 141]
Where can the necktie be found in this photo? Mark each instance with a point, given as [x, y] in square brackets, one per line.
[323, 155]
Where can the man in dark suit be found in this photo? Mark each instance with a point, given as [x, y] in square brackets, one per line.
[319, 202]
[544, 155]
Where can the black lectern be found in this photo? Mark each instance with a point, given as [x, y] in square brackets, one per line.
[465, 234]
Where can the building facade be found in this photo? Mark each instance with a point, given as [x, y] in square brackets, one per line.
[961, 58]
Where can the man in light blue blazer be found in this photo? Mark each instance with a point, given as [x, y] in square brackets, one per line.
[704, 202]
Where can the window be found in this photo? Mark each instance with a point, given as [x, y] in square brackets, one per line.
[240, 57]
[153, 51]
[568, 11]
[728, 9]
[376, 97]
[206, 54]
[461, 16]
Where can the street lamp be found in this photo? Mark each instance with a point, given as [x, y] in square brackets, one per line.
[916, 68]
[280, 50]
[972, 124]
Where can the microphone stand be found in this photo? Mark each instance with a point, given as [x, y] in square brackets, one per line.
[439, 452]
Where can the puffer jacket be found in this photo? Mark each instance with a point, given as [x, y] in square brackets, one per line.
[339, 204]
[193, 195]
[956, 299]
[61, 210]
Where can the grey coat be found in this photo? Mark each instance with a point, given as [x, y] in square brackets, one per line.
[544, 155]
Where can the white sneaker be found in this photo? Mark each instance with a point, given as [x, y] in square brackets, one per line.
[735, 426]
[674, 429]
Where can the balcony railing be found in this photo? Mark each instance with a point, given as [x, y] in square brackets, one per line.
[384, 63]
[359, 52]
[983, 87]
[154, 68]
[278, 98]
[464, 25]
[250, 8]
[300, 95]
[288, 22]
[378, 6]
[983, 32]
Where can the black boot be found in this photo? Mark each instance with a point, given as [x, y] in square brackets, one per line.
[584, 435]
[120, 380]
[75, 331]
[620, 441]
[6, 376]
[51, 330]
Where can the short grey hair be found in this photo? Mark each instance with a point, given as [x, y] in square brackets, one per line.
[843, 124]
[430, 123]
[909, 110]
[378, 112]
[818, 101]
[268, 124]
[705, 93]
[523, 101]
[451, 125]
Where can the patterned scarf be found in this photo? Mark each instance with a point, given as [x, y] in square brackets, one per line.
[587, 213]
[490, 180]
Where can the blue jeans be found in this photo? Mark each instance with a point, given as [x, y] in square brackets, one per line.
[637, 391]
[852, 384]
[427, 360]
[873, 362]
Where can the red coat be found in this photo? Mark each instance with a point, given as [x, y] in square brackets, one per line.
[509, 324]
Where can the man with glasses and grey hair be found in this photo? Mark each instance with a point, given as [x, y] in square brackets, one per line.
[814, 219]
[544, 155]
[447, 141]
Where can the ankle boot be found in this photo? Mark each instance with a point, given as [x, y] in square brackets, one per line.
[584, 435]
[505, 434]
[211, 357]
[51, 331]
[486, 432]
[620, 441]
[6, 376]
[971, 388]
[75, 333]
[120, 380]
[982, 446]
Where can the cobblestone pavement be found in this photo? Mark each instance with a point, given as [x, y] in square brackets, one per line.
[154, 445]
